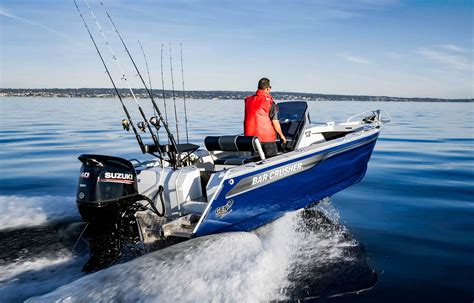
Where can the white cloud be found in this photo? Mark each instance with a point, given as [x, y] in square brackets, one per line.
[6, 13]
[450, 60]
[354, 59]
[454, 48]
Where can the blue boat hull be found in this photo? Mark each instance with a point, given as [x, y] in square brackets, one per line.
[334, 170]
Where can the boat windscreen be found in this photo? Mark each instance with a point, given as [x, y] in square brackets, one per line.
[292, 121]
[291, 111]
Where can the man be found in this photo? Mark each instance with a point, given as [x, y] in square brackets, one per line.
[261, 118]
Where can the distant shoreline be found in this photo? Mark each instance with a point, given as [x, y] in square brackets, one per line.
[216, 95]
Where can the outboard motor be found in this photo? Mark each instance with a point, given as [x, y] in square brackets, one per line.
[106, 198]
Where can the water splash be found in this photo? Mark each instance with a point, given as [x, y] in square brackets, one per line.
[30, 277]
[21, 211]
[287, 259]
[37, 260]
[327, 261]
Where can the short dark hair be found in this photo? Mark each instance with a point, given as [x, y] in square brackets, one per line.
[263, 83]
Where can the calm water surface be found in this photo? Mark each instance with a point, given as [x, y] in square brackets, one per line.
[411, 220]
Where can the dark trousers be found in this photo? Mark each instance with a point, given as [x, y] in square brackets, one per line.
[270, 149]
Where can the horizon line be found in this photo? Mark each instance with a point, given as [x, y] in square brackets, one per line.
[244, 91]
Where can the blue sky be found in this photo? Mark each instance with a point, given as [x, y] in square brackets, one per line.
[374, 47]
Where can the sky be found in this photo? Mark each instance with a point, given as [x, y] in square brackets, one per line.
[405, 48]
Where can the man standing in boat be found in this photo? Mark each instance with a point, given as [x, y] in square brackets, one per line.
[261, 118]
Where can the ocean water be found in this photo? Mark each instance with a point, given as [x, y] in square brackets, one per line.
[405, 233]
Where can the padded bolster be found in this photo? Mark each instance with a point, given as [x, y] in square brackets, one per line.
[212, 143]
[230, 143]
[246, 143]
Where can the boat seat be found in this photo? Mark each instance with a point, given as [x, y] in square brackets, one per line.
[235, 144]
[233, 160]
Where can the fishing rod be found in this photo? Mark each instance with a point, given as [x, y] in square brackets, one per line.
[163, 83]
[141, 125]
[148, 71]
[153, 120]
[125, 123]
[173, 157]
[173, 94]
[146, 64]
[184, 94]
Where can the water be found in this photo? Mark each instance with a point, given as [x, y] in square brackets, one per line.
[405, 233]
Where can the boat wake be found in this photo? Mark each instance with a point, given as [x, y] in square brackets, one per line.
[304, 254]
[36, 260]
[327, 261]
[21, 211]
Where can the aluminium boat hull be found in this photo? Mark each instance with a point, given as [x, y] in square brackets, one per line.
[253, 199]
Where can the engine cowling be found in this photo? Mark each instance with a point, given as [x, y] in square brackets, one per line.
[106, 184]
[106, 196]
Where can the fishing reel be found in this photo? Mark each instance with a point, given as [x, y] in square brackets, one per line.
[142, 126]
[126, 124]
[155, 122]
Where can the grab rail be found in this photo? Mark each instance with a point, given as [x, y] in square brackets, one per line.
[379, 113]
[377, 122]
[363, 113]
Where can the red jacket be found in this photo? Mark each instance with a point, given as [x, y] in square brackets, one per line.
[257, 116]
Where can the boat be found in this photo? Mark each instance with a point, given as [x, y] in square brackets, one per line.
[185, 191]
[227, 187]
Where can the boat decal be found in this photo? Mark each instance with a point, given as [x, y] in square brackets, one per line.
[224, 210]
[116, 181]
[273, 175]
[121, 176]
[339, 151]
[85, 175]
[281, 172]
[232, 192]
[211, 200]
[117, 178]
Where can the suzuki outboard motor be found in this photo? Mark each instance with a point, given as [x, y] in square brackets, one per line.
[106, 197]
